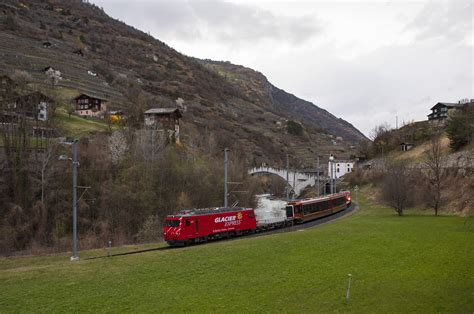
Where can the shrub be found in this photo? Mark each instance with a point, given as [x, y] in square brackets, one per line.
[460, 129]
[294, 128]
[10, 23]
[151, 230]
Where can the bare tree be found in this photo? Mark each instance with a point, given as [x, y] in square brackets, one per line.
[45, 165]
[436, 171]
[395, 186]
[380, 135]
[149, 143]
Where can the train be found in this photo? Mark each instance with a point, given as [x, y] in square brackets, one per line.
[206, 224]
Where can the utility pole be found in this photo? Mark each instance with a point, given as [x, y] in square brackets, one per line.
[74, 256]
[226, 161]
[319, 188]
[331, 177]
[294, 185]
[287, 178]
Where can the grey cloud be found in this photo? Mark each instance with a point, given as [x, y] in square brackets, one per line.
[367, 90]
[213, 20]
[448, 20]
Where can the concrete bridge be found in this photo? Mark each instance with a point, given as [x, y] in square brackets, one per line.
[298, 181]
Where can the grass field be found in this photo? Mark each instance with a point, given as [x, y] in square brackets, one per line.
[415, 263]
[77, 127]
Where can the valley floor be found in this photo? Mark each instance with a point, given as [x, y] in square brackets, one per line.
[414, 263]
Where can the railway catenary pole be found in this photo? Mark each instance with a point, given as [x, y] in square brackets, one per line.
[74, 256]
[319, 188]
[226, 161]
[331, 185]
[331, 176]
[294, 185]
[287, 177]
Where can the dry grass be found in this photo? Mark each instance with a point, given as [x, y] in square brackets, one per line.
[417, 153]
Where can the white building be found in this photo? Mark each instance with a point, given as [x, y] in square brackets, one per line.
[339, 167]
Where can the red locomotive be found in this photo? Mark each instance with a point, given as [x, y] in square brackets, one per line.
[200, 225]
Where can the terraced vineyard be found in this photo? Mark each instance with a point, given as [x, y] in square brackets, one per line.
[59, 56]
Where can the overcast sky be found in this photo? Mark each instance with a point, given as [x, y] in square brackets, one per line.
[365, 62]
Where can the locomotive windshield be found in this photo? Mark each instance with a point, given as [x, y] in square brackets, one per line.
[172, 223]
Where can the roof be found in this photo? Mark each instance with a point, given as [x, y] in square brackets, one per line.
[342, 161]
[207, 211]
[159, 111]
[317, 199]
[115, 112]
[89, 96]
[447, 104]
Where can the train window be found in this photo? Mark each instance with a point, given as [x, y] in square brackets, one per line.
[251, 215]
[172, 223]
[325, 205]
[188, 223]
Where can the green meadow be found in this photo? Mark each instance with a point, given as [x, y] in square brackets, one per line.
[414, 263]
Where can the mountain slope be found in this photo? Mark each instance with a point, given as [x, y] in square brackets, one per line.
[283, 103]
[227, 104]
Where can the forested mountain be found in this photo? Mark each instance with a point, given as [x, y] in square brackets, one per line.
[133, 182]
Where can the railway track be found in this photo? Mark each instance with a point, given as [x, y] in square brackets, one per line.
[300, 227]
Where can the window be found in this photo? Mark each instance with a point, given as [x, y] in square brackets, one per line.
[188, 223]
[251, 215]
[172, 223]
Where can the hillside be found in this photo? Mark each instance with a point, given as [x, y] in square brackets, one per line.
[256, 86]
[236, 106]
[438, 173]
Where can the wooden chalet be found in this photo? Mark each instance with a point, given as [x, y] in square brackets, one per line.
[440, 111]
[89, 106]
[165, 118]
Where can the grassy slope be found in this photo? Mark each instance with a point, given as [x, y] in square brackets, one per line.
[75, 126]
[418, 153]
[416, 263]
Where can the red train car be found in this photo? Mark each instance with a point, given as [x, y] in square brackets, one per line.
[313, 208]
[201, 225]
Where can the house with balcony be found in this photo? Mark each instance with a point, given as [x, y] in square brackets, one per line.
[89, 106]
[440, 111]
